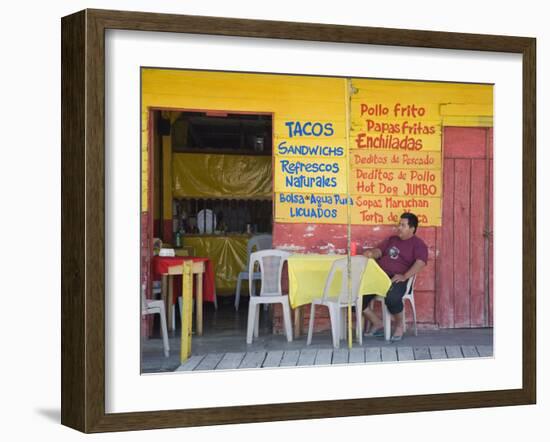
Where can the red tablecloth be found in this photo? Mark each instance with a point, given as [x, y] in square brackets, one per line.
[162, 263]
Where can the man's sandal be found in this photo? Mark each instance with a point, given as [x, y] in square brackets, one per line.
[377, 333]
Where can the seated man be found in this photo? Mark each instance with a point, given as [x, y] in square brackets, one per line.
[401, 257]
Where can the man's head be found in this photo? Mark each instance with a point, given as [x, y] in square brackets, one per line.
[408, 223]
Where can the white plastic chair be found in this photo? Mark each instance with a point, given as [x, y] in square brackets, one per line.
[151, 307]
[271, 266]
[256, 243]
[341, 300]
[157, 288]
[386, 316]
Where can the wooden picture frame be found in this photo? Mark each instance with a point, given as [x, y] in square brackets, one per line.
[83, 220]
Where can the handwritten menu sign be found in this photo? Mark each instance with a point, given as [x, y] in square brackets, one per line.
[311, 167]
[393, 164]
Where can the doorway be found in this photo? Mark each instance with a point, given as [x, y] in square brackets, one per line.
[464, 296]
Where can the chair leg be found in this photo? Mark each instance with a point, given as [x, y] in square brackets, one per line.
[386, 317]
[311, 323]
[251, 321]
[414, 317]
[257, 321]
[342, 320]
[238, 293]
[164, 331]
[173, 318]
[287, 321]
[404, 321]
[252, 283]
[358, 328]
[335, 324]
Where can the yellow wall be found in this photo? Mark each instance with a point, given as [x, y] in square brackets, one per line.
[287, 97]
[319, 105]
[411, 114]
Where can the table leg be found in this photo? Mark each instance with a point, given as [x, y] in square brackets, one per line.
[198, 305]
[298, 321]
[170, 302]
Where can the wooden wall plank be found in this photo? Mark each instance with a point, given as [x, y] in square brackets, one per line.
[490, 306]
[445, 263]
[145, 267]
[461, 241]
[462, 142]
[490, 140]
[425, 307]
[478, 243]
[489, 302]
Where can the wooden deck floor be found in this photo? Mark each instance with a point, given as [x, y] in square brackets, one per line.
[309, 357]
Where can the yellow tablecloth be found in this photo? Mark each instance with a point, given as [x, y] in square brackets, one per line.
[307, 275]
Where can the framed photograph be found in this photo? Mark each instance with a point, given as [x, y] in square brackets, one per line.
[220, 177]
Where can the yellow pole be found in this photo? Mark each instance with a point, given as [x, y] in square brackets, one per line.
[348, 91]
[186, 309]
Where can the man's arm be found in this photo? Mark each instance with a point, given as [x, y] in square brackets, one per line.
[373, 253]
[415, 268]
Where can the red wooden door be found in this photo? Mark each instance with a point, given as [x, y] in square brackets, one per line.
[146, 229]
[464, 281]
[146, 243]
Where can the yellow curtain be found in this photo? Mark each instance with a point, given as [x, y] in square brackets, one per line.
[228, 254]
[221, 176]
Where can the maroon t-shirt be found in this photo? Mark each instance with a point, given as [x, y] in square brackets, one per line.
[399, 255]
